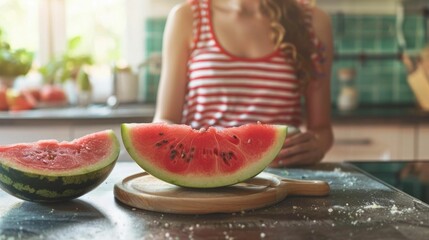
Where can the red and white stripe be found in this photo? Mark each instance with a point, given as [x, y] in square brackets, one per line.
[225, 90]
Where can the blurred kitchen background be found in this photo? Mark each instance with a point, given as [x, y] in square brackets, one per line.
[370, 37]
[58, 55]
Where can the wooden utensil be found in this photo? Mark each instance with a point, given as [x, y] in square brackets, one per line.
[144, 191]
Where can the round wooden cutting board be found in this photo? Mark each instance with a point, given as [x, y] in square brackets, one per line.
[144, 191]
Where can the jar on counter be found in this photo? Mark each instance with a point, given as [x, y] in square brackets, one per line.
[348, 97]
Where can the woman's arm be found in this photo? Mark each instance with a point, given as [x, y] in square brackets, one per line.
[310, 147]
[318, 96]
[175, 52]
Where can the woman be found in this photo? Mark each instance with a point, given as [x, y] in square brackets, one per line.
[231, 62]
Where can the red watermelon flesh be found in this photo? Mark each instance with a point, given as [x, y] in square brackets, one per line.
[50, 157]
[203, 158]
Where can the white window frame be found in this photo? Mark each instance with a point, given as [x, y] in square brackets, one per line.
[53, 32]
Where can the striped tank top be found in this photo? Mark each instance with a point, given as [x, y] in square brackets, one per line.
[225, 90]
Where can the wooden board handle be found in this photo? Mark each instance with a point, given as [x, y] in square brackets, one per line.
[305, 187]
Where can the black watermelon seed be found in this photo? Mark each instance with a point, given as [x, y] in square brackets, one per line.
[173, 154]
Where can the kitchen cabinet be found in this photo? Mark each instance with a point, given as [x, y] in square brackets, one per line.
[372, 142]
[422, 136]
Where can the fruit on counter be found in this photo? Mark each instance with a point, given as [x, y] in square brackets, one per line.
[35, 92]
[19, 100]
[3, 100]
[53, 94]
[52, 171]
[202, 158]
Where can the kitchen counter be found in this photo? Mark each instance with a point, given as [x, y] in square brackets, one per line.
[358, 207]
[91, 114]
[145, 112]
[381, 114]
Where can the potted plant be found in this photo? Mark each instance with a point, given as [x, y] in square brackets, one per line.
[63, 69]
[13, 63]
[67, 66]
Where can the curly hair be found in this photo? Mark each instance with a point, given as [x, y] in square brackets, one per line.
[290, 33]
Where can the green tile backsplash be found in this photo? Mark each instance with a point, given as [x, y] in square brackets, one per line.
[154, 29]
[381, 77]
[379, 80]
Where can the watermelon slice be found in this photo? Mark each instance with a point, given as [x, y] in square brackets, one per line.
[202, 158]
[52, 171]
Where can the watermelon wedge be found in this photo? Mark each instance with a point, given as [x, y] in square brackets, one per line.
[52, 171]
[202, 158]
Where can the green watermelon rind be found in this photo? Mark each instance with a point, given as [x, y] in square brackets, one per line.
[245, 173]
[40, 187]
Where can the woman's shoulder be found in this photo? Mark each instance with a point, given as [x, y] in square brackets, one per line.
[182, 11]
[321, 16]
[321, 22]
[180, 18]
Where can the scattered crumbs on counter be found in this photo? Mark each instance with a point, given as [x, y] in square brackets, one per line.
[166, 225]
[369, 219]
[167, 235]
[373, 205]
[354, 222]
[262, 235]
[133, 209]
[394, 210]
[333, 224]
[396, 227]
[294, 207]
[52, 210]
[330, 210]
[359, 212]
[263, 225]
[337, 170]
[337, 207]
[197, 225]
[242, 212]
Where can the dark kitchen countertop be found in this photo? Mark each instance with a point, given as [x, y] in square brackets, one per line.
[144, 113]
[381, 114]
[358, 207]
[92, 114]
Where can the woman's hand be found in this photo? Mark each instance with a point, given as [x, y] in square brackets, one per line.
[300, 149]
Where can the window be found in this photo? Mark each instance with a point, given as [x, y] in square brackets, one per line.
[101, 24]
[19, 23]
[44, 26]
